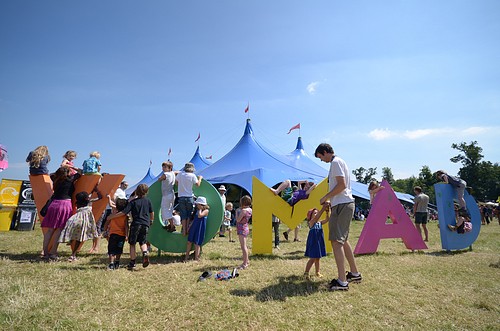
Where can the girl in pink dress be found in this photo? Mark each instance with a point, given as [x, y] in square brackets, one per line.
[243, 215]
[67, 162]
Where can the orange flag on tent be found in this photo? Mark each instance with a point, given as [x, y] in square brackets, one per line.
[294, 127]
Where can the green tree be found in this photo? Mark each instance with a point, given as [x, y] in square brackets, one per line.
[488, 181]
[470, 158]
[364, 175]
[426, 181]
[387, 175]
[483, 177]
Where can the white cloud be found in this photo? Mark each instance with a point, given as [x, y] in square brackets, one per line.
[476, 130]
[416, 134]
[383, 134]
[311, 87]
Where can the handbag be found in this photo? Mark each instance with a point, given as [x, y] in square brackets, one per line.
[44, 209]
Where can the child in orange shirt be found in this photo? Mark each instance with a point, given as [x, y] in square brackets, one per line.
[117, 229]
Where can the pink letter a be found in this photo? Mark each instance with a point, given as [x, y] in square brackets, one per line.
[386, 204]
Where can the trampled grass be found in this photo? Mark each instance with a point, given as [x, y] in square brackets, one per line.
[428, 290]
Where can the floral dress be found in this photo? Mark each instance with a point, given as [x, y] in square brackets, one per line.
[80, 227]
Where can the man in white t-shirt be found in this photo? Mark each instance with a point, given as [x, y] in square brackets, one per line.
[186, 179]
[342, 210]
[120, 191]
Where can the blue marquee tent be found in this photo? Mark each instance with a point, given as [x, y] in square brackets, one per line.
[148, 179]
[250, 158]
[199, 161]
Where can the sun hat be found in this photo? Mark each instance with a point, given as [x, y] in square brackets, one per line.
[201, 201]
[222, 188]
[310, 212]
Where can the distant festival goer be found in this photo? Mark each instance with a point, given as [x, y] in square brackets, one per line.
[421, 202]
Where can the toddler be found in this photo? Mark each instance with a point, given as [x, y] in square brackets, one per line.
[92, 165]
[197, 230]
[315, 246]
[117, 230]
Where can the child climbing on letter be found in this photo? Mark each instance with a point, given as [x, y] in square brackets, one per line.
[315, 246]
[463, 223]
[373, 189]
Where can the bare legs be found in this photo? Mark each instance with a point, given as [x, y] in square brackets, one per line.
[309, 264]
[285, 184]
[51, 242]
[343, 252]
[244, 249]
[197, 250]
[426, 232]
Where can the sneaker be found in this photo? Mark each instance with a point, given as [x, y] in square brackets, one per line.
[117, 265]
[353, 279]
[336, 286]
[277, 247]
[145, 260]
[204, 276]
[131, 266]
[285, 234]
[306, 276]
[222, 236]
[296, 239]
[111, 266]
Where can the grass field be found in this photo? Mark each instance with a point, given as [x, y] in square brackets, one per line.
[428, 290]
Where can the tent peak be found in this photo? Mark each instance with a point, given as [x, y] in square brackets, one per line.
[299, 143]
[248, 128]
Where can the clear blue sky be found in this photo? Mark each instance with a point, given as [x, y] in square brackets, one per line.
[386, 83]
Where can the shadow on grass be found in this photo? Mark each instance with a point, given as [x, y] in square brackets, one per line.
[297, 255]
[31, 257]
[289, 286]
[444, 253]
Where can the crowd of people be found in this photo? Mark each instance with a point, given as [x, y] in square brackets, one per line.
[128, 219]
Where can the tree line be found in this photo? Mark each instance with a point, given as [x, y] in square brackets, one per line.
[482, 177]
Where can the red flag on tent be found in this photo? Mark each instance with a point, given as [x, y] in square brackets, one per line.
[247, 108]
[150, 162]
[209, 157]
[198, 137]
[169, 151]
[293, 128]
